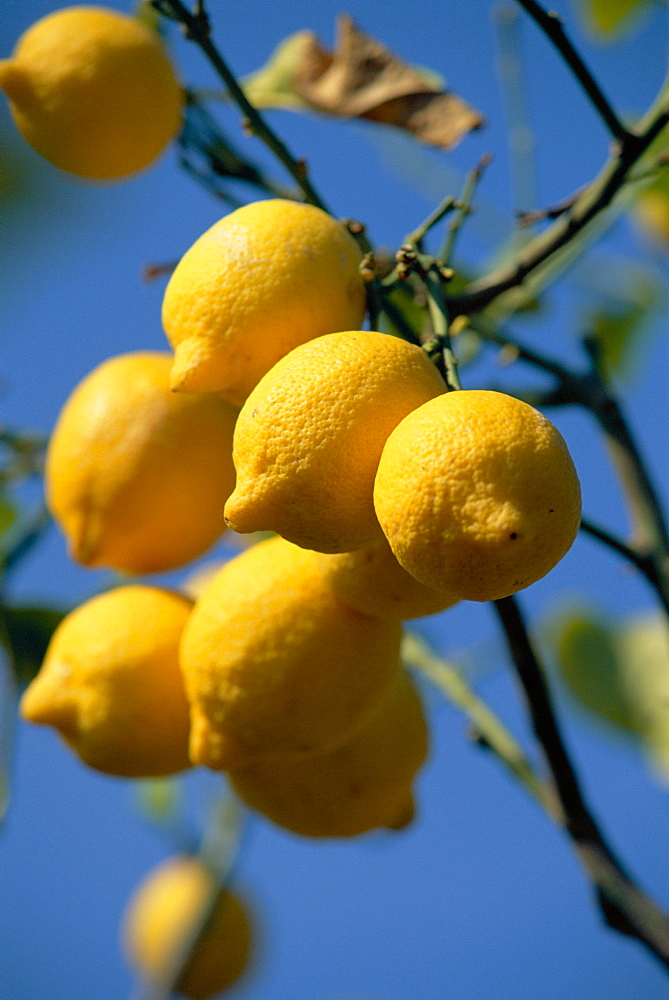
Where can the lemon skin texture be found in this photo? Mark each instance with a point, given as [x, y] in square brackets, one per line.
[262, 280]
[477, 494]
[111, 685]
[371, 581]
[165, 911]
[309, 437]
[136, 475]
[274, 664]
[364, 784]
[93, 91]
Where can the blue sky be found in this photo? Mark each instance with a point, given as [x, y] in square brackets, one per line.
[481, 897]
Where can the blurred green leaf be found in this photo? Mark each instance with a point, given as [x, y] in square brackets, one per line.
[273, 85]
[159, 799]
[617, 332]
[594, 672]
[26, 634]
[610, 18]
[620, 675]
[8, 514]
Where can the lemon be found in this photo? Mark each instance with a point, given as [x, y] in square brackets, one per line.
[136, 475]
[275, 664]
[371, 581]
[309, 437]
[164, 912]
[262, 280]
[477, 494]
[93, 91]
[363, 784]
[111, 685]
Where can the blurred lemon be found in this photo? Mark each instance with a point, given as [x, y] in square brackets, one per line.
[310, 435]
[477, 494]
[164, 913]
[136, 475]
[264, 279]
[93, 91]
[363, 784]
[111, 685]
[275, 664]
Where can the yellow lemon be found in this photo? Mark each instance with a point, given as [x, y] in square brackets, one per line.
[264, 279]
[136, 475]
[275, 664]
[111, 685]
[363, 784]
[310, 435]
[164, 914]
[371, 581]
[477, 494]
[93, 91]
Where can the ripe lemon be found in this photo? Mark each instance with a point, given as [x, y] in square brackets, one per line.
[361, 785]
[136, 475]
[93, 91]
[310, 435]
[275, 664]
[164, 913]
[371, 581]
[477, 494]
[264, 279]
[110, 683]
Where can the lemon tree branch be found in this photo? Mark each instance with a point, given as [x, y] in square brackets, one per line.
[196, 26]
[624, 906]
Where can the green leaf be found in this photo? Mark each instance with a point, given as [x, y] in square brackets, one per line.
[610, 18]
[26, 634]
[273, 86]
[594, 672]
[621, 676]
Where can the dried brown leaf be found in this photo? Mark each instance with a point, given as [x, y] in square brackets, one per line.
[364, 79]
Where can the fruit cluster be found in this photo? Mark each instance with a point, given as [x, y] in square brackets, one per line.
[389, 497]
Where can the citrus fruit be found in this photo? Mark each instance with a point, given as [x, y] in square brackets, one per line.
[163, 917]
[136, 475]
[111, 685]
[363, 784]
[310, 435]
[275, 664]
[93, 91]
[477, 494]
[371, 581]
[262, 280]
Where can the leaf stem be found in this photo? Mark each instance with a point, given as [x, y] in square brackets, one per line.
[489, 729]
[624, 906]
[551, 25]
[196, 25]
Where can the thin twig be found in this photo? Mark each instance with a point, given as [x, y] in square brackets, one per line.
[553, 28]
[464, 206]
[197, 28]
[624, 906]
[596, 197]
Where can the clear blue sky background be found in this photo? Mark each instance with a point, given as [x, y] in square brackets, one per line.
[481, 897]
